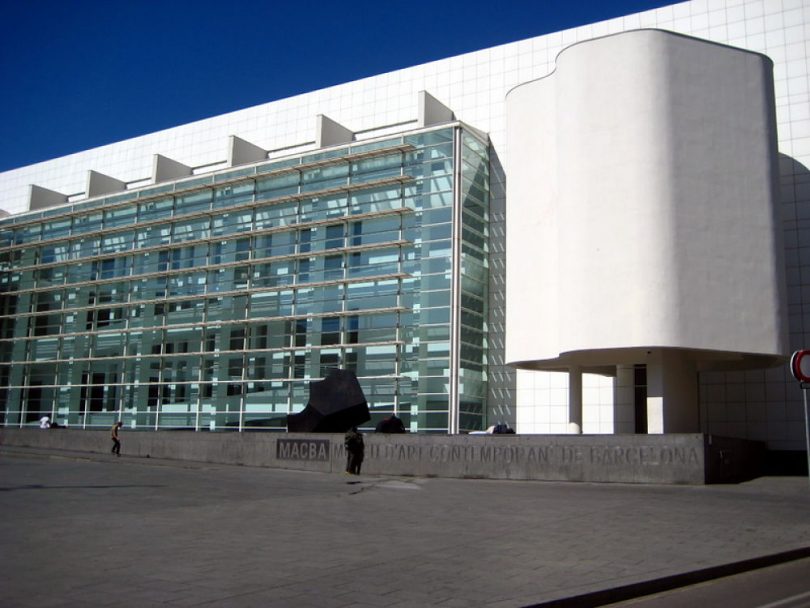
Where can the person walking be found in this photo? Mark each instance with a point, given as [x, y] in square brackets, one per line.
[116, 449]
[355, 450]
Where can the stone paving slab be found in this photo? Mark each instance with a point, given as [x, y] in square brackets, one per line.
[104, 531]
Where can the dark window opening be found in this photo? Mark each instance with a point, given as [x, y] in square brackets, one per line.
[352, 330]
[154, 393]
[330, 330]
[640, 398]
[334, 236]
[97, 393]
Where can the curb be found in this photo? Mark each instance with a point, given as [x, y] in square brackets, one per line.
[667, 583]
[80, 456]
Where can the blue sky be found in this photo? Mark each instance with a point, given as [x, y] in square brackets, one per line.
[77, 74]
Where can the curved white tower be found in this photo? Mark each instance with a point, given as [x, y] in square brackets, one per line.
[642, 224]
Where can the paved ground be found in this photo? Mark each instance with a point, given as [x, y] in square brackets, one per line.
[98, 531]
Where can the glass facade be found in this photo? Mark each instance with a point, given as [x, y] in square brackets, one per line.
[211, 303]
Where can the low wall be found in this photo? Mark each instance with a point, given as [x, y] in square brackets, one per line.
[668, 459]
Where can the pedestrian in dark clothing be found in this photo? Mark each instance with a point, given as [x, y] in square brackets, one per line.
[116, 449]
[355, 450]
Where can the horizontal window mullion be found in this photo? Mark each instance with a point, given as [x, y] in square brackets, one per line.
[217, 294]
[279, 379]
[215, 239]
[207, 268]
[213, 212]
[74, 212]
[199, 354]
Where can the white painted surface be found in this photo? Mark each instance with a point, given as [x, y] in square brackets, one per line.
[642, 198]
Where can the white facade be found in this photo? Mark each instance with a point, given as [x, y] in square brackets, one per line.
[645, 214]
[761, 404]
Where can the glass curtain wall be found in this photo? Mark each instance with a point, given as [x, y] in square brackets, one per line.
[211, 303]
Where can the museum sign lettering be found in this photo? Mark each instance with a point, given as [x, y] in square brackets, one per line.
[316, 450]
[558, 455]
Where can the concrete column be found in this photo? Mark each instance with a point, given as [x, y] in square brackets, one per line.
[575, 400]
[672, 393]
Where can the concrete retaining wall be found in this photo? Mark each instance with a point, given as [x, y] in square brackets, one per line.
[668, 459]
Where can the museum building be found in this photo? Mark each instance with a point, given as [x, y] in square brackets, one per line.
[600, 230]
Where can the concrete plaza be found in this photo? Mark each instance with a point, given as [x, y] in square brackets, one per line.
[94, 530]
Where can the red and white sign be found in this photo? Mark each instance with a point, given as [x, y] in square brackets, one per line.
[800, 365]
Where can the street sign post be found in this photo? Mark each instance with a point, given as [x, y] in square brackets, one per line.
[800, 368]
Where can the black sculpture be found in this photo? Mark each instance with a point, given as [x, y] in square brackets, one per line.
[336, 404]
[391, 424]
